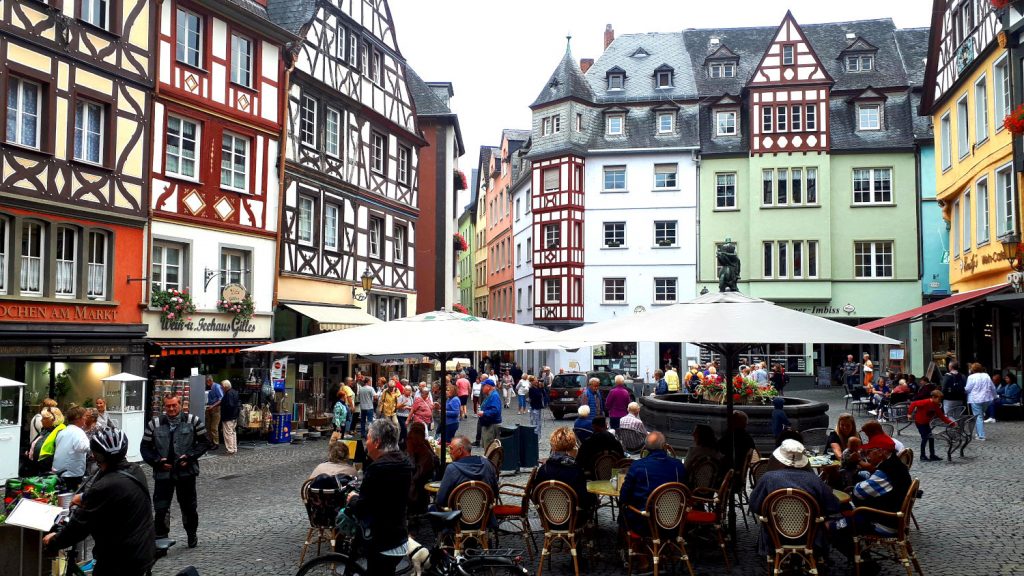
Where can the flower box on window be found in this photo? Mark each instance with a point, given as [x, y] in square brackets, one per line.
[665, 242]
[459, 178]
[1014, 121]
[613, 244]
[459, 242]
[174, 305]
[242, 309]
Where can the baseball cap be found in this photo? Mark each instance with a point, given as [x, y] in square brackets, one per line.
[879, 441]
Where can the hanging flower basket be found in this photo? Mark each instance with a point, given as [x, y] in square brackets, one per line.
[459, 178]
[460, 308]
[1014, 122]
[1000, 4]
[460, 242]
[242, 309]
[174, 305]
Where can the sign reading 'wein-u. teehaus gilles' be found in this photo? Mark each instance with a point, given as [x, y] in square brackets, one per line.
[211, 326]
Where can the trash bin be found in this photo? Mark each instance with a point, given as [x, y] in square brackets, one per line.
[281, 428]
[510, 448]
[528, 445]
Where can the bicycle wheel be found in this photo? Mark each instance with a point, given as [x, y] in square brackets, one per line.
[490, 567]
[331, 565]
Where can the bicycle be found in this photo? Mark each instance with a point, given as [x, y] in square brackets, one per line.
[438, 562]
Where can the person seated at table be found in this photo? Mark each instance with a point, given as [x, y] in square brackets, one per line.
[600, 441]
[901, 393]
[852, 467]
[873, 427]
[736, 441]
[846, 427]
[632, 420]
[705, 445]
[924, 388]
[464, 468]
[337, 464]
[563, 466]
[424, 460]
[583, 420]
[1008, 393]
[793, 471]
[643, 477]
[885, 488]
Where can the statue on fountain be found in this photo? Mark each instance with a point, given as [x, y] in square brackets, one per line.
[729, 264]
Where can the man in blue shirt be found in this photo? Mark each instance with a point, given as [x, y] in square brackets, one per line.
[214, 394]
[592, 397]
[490, 414]
[644, 476]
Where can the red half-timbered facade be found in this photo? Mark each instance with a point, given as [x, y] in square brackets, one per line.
[789, 96]
[558, 188]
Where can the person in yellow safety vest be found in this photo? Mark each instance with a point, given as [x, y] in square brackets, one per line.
[672, 378]
[693, 377]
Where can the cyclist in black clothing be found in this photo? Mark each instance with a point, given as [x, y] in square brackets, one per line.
[115, 510]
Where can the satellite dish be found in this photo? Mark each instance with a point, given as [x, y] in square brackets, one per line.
[639, 310]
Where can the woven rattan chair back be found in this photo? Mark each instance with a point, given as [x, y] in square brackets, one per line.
[815, 439]
[495, 454]
[907, 457]
[758, 469]
[702, 473]
[792, 516]
[556, 505]
[322, 505]
[907, 509]
[603, 465]
[631, 440]
[667, 506]
[475, 499]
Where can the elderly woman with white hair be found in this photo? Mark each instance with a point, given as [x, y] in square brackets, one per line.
[631, 420]
[583, 419]
[617, 401]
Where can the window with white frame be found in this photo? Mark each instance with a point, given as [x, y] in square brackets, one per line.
[811, 117]
[305, 228]
[796, 190]
[666, 122]
[869, 116]
[332, 132]
[614, 178]
[782, 263]
[404, 163]
[241, 60]
[331, 221]
[789, 186]
[234, 267]
[967, 221]
[946, 145]
[725, 123]
[1005, 201]
[954, 231]
[873, 259]
[399, 243]
[189, 38]
[616, 81]
[552, 290]
[663, 79]
[339, 42]
[981, 228]
[519, 208]
[614, 234]
[963, 139]
[665, 232]
[787, 54]
[96, 12]
[666, 290]
[380, 150]
[307, 121]
[722, 70]
[529, 249]
[545, 126]
[182, 148]
[781, 186]
[790, 259]
[167, 271]
[96, 285]
[234, 162]
[519, 254]
[353, 49]
[377, 67]
[767, 122]
[872, 186]
[614, 291]
[768, 260]
[665, 176]
[66, 262]
[811, 259]
[376, 228]
[725, 191]
[795, 121]
[23, 112]
[4, 247]
[556, 123]
[89, 131]
[981, 110]
[811, 185]
[1003, 90]
[860, 62]
[614, 124]
[550, 176]
[552, 235]
[767, 187]
[781, 117]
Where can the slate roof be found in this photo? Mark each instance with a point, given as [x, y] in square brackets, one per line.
[663, 49]
[913, 46]
[291, 15]
[514, 135]
[897, 117]
[565, 82]
[427, 102]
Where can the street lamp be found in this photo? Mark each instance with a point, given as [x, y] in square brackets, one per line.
[1012, 252]
[366, 283]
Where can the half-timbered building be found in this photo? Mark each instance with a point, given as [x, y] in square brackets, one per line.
[217, 121]
[77, 80]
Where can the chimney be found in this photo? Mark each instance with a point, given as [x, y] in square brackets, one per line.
[585, 64]
[609, 36]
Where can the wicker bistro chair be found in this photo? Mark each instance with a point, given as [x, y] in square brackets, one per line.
[495, 454]
[792, 519]
[898, 542]
[758, 469]
[709, 510]
[515, 516]
[816, 440]
[702, 473]
[557, 506]
[739, 481]
[632, 440]
[582, 434]
[322, 506]
[475, 499]
[666, 512]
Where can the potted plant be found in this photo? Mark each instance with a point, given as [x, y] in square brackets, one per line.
[243, 309]
[613, 244]
[664, 242]
[459, 242]
[174, 305]
[1014, 121]
[459, 179]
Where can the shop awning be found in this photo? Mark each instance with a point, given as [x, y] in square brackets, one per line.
[204, 347]
[332, 318]
[932, 307]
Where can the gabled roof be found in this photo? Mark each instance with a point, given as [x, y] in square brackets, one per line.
[912, 44]
[789, 19]
[868, 93]
[640, 53]
[727, 100]
[291, 15]
[428, 104]
[859, 45]
[566, 81]
[664, 68]
[515, 135]
[722, 53]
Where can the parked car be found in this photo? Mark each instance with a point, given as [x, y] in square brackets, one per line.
[566, 389]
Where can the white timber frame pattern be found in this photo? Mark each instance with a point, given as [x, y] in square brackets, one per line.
[968, 28]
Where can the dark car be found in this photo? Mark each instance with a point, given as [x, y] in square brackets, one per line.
[566, 389]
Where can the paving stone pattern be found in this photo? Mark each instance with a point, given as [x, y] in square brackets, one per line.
[252, 521]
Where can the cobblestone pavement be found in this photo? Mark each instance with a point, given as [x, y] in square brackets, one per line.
[253, 523]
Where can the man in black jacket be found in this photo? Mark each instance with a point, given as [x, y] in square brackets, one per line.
[172, 445]
[114, 510]
[599, 442]
[381, 503]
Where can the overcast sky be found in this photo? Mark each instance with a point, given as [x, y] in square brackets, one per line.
[499, 54]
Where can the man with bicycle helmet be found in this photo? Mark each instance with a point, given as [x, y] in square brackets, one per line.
[115, 510]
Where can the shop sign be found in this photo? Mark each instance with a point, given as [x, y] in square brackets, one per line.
[826, 309]
[236, 325]
[234, 293]
[56, 312]
[213, 326]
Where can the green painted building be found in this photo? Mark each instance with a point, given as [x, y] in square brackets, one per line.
[464, 270]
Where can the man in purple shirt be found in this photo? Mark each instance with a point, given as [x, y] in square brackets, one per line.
[617, 402]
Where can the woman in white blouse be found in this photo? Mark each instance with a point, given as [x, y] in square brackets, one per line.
[980, 393]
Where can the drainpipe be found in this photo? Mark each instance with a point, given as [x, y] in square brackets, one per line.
[148, 228]
[290, 55]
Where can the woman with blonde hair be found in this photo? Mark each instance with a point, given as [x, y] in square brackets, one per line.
[846, 427]
[561, 465]
[36, 426]
[980, 393]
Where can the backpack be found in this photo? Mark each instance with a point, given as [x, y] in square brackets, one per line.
[662, 387]
[955, 387]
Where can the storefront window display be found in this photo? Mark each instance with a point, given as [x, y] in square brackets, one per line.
[616, 356]
[793, 357]
[76, 382]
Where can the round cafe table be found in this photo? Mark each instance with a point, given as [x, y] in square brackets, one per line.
[843, 497]
[433, 487]
[603, 488]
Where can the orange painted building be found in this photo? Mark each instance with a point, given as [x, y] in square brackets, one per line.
[501, 258]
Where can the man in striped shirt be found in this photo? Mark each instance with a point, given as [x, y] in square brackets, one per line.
[887, 486]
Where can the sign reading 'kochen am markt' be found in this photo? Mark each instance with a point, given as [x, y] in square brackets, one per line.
[208, 325]
[57, 313]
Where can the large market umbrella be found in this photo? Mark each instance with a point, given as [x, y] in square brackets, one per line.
[440, 335]
[728, 323]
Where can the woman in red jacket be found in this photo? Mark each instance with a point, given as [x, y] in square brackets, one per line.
[924, 411]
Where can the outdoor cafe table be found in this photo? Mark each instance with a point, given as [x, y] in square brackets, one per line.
[603, 488]
[433, 487]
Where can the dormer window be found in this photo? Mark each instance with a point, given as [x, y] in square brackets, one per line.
[722, 70]
[616, 81]
[663, 79]
[726, 122]
[640, 53]
[666, 122]
[869, 116]
[860, 63]
[614, 124]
